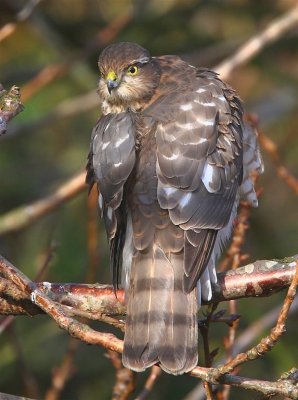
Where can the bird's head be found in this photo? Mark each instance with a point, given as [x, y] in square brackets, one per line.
[128, 75]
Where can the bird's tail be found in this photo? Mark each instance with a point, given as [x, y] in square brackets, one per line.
[161, 324]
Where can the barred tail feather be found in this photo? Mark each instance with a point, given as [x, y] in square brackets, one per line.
[161, 325]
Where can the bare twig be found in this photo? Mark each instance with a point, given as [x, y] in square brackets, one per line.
[92, 236]
[125, 378]
[71, 311]
[58, 70]
[269, 341]
[29, 381]
[66, 108]
[56, 311]
[109, 341]
[233, 259]
[62, 373]
[25, 215]
[6, 322]
[253, 46]
[271, 148]
[204, 330]
[150, 382]
[233, 254]
[285, 388]
[22, 15]
[245, 339]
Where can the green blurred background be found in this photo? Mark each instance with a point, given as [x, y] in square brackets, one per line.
[48, 143]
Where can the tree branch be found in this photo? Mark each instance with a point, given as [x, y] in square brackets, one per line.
[23, 216]
[269, 341]
[255, 44]
[258, 279]
[25, 288]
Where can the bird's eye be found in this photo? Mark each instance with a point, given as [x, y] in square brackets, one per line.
[132, 70]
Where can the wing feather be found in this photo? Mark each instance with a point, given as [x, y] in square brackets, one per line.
[199, 164]
[110, 163]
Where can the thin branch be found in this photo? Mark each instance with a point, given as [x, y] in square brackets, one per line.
[23, 216]
[270, 147]
[54, 71]
[22, 15]
[56, 311]
[253, 46]
[62, 373]
[155, 373]
[204, 330]
[285, 388]
[233, 257]
[269, 341]
[92, 236]
[65, 109]
[125, 378]
[251, 333]
[109, 341]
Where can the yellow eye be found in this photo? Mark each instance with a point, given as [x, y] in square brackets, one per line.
[132, 70]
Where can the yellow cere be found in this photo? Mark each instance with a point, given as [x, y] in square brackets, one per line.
[111, 76]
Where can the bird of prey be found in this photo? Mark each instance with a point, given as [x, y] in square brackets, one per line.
[171, 158]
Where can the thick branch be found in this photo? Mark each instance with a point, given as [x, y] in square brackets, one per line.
[83, 332]
[261, 278]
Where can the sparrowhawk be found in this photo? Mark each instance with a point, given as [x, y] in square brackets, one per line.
[171, 158]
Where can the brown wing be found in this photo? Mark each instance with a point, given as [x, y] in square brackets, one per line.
[110, 163]
[199, 164]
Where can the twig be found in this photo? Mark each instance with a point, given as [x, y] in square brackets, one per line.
[10, 106]
[46, 258]
[22, 15]
[92, 236]
[125, 378]
[253, 46]
[233, 254]
[283, 173]
[63, 372]
[71, 311]
[204, 330]
[266, 343]
[109, 341]
[56, 311]
[66, 108]
[244, 340]
[29, 382]
[155, 373]
[233, 259]
[66, 368]
[285, 388]
[25, 215]
[58, 70]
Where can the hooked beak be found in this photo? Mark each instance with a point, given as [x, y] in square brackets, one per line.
[112, 81]
[112, 84]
